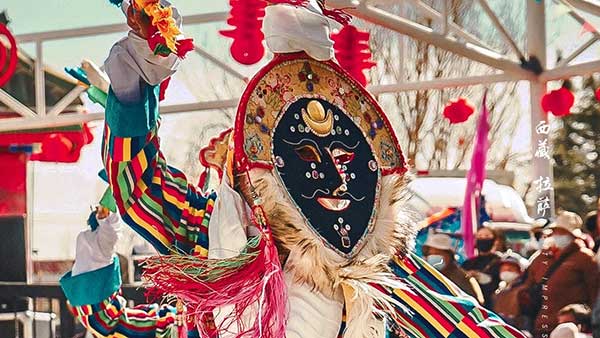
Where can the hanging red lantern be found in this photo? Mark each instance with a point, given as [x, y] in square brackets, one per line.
[597, 93]
[558, 102]
[352, 52]
[8, 59]
[246, 16]
[458, 111]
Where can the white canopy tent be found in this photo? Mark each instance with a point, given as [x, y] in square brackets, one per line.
[517, 65]
[432, 194]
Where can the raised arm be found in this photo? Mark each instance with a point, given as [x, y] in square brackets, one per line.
[153, 198]
[93, 289]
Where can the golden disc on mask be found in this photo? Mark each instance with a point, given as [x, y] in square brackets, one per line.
[316, 111]
[319, 122]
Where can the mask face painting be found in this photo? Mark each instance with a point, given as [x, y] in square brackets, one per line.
[329, 170]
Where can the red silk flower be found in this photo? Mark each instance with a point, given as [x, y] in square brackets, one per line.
[352, 52]
[158, 45]
[558, 102]
[458, 111]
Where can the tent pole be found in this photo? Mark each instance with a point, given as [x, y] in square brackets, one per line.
[542, 168]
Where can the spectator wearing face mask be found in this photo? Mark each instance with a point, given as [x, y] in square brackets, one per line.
[506, 303]
[575, 275]
[485, 267]
[439, 253]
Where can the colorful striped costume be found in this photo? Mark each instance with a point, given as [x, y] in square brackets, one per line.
[158, 202]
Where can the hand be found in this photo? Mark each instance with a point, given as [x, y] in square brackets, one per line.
[102, 212]
[95, 249]
[138, 21]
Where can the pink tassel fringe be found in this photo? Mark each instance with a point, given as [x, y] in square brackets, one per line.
[252, 283]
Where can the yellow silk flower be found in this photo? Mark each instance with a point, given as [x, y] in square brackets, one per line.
[162, 19]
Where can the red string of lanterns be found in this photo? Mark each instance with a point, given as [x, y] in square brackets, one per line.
[246, 16]
[352, 52]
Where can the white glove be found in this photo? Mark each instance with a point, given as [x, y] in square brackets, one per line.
[96, 76]
[291, 29]
[95, 249]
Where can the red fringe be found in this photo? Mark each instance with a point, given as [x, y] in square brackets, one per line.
[252, 283]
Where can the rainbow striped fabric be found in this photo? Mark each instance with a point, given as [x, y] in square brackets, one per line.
[157, 202]
[153, 198]
[438, 308]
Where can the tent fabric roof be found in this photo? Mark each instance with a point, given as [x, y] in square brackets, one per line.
[22, 85]
[432, 194]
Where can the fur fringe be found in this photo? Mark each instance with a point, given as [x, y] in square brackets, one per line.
[309, 261]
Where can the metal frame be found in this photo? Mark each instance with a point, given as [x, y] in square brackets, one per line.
[452, 37]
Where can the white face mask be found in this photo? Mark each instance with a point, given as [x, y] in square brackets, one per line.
[508, 276]
[437, 261]
[562, 241]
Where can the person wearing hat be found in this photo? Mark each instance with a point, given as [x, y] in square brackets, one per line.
[439, 252]
[505, 299]
[569, 269]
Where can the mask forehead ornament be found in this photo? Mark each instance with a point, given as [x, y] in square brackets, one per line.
[319, 122]
[328, 143]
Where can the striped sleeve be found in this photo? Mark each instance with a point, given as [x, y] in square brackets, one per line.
[153, 198]
[112, 318]
[95, 300]
[438, 308]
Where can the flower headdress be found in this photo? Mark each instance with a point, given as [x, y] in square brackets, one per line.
[163, 29]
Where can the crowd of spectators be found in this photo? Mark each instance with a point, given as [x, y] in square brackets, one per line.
[551, 294]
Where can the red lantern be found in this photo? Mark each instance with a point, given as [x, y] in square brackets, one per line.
[246, 16]
[558, 102]
[458, 111]
[352, 52]
[8, 59]
[597, 92]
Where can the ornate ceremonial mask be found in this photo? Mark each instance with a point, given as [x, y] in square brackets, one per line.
[324, 139]
[329, 170]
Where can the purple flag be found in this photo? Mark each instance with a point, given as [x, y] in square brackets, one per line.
[475, 178]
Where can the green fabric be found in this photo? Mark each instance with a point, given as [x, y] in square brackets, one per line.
[97, 95]
[136, 119]
[108, 201]
[92, 287]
